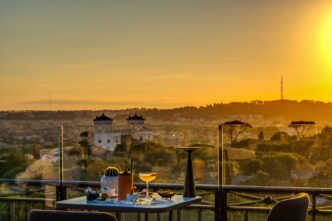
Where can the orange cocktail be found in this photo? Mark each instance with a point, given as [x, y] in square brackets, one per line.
[147, 177]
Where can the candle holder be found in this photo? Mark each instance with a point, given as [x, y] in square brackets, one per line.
[189, 185]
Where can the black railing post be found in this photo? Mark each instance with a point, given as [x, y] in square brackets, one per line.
[314, 207]
[61, 192]
[199, 215]
[220, 202]
[246, 215]
[12, 211]
[179, 215]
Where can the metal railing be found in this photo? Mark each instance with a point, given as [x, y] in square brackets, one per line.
[227, 199]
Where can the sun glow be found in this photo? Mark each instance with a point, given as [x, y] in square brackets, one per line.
[325, 40]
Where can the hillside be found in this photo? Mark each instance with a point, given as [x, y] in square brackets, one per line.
[281, 111]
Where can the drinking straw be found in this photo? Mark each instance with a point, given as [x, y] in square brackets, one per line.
[132, 173]
[131, 165]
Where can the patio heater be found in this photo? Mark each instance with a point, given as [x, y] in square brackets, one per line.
[220, 195]
[60, 189]
[220, 154]
[220, 198]
[189, 184]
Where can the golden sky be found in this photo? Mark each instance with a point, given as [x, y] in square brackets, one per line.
[84, 54]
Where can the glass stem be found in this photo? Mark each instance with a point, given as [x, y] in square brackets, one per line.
[147, 190]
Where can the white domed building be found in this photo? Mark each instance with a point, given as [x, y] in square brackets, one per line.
[104, 136]
[107, 138]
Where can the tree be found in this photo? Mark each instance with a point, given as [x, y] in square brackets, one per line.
[302, 128]
[84, 134]
[86, 149]
[280, 136]
[12, 163]
[252, 167]
[280, 165]
[120, 150]
[327, 171]
[261, 137]
[232, 129]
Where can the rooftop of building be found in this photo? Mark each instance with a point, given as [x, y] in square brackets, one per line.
[135, 117]
[103, 117]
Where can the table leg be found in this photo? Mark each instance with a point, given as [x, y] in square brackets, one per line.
[138, 217]
[146, 217]
[158, 217]
[178, 215]
[170, 216]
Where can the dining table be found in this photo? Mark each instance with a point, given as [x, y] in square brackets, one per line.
[158, 206]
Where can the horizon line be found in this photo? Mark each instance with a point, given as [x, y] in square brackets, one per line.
[161, 108]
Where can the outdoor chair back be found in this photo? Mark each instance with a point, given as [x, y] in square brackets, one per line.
[294, 209]
[59, 215]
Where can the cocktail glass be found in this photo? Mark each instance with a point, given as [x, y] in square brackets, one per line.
[147, 177]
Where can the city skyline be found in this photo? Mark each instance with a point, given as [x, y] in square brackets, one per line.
[113, 55]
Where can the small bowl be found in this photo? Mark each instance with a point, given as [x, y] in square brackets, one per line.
[92, 196]
[166, 194]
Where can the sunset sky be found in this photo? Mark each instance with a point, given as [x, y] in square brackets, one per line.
[84, 54]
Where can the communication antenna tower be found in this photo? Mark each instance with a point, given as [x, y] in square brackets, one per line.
[281, 88]
[50, 101]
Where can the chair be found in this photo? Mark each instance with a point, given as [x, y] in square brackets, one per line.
[59, 215]
[294, 209]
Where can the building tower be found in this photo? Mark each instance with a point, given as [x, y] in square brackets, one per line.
[135, 121]
[136, 129]
[281, 88]
[103, 134]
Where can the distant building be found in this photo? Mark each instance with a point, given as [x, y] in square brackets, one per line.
[136, 130]
[104, 136]
[108, 138]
